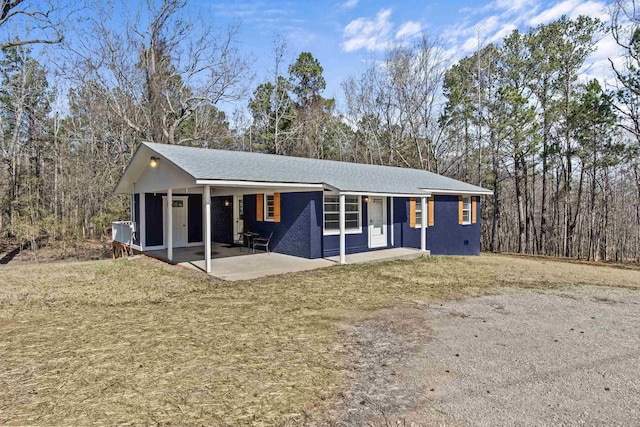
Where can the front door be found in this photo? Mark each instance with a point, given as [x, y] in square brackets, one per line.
[180, 228]
[238, 217]
[377, 222]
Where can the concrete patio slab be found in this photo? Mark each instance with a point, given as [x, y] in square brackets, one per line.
[260, 265]
[231, 262]
[234, 263]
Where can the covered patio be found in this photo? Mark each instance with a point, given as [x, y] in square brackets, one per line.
[236, 263]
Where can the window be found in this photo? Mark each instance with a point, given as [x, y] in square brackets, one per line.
[177, 203]
[240, 208]
[332, 213]
[269, 207]
[415, 214]
[466, 210]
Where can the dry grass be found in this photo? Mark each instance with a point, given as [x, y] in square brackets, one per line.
[53, 250]
[140, 341]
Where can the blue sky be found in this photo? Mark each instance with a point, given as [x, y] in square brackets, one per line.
[345, 34]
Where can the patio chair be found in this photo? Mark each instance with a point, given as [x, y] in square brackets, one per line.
[262, 242]
[240, 240]
[246, 239]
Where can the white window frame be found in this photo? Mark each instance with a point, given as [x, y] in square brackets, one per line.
[265, 197]
[336, 232]
[466, 208]
[418, 213]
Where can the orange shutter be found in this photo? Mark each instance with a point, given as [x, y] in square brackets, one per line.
[473, 209]
[412, 212]
[431, 210]
[460, 209]
[276, 207]
[259, 207]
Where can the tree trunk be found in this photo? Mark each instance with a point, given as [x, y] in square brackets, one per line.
[519, 166]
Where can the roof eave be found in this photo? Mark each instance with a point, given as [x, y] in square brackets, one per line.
[469, 192]
[247, 183]
[384, 194]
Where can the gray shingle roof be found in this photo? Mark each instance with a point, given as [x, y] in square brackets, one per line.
[210, 164]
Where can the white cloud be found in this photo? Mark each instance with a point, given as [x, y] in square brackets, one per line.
[489, 24]
[370, 34]
[591, 8]
[513, 7]
[553, 13]
[349, 4]
[598, 64]
[502, 33]
[470, 45]
[409, 30]
[378, 33]
[492, 22]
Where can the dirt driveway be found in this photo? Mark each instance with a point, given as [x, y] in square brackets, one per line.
[569, 356]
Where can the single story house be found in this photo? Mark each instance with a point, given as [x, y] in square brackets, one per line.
[186, 196]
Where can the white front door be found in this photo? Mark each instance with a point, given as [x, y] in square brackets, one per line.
[238, 217]
[377, 208]
[179, 222]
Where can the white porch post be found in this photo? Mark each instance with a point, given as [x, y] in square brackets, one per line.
[423, 225]
[170, 225]
[207, 228]
[343, 258]
[392, 223]
[142, 222]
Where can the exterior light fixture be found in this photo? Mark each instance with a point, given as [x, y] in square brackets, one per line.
[153, 162]
[366, 199]
[226, 203]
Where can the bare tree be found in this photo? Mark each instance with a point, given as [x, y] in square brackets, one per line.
[28, 22]
[396, 107]
[163, 68]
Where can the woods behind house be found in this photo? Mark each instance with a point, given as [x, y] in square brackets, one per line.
[560, 151]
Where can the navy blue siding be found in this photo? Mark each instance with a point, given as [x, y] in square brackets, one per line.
[389, 222]
[400, 218]
[222, 219]
[300, 231]
[446, 236]
[297, 232]
[194, 213]
[354, 243]
[136, 218]
[153, 223]
[316, 210]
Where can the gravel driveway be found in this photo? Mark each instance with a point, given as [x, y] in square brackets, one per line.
[561, 357]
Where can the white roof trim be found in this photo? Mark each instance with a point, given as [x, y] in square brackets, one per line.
[230, 183]
[369, 193]
[466, 192]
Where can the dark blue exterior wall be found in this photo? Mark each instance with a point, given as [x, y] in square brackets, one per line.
[222, 219]
[316, 210]
[400, 218]
[300, 231]
[194, 212]
[297, 232]
[446, 236]
[136, 218]
[154, 225]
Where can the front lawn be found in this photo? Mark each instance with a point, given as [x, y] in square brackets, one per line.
[140, 341]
